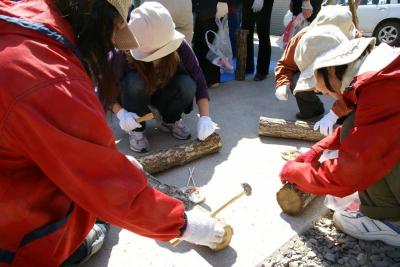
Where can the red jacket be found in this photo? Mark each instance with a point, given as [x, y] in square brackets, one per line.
[371, 149]
[59, 167]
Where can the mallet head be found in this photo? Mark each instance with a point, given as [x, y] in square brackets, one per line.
[246, 188]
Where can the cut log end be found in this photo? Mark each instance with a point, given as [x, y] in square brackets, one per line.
[293, 201]
[227, 238]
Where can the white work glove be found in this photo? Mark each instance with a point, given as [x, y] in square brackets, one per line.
[205, 127]
[257, 5]
[281, 92]
[127, 120]
[203, 230]
[325, 125]
[307, 9]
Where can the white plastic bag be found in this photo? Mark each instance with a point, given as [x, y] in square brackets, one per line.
[293, 27]
[350, 202]
[220, 50]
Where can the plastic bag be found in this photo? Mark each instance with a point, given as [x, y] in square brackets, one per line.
[220, 50]
[294, 26]
[350, 202]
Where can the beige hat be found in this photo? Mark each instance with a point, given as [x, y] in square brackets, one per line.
[325, 46]
[154, 29]
[336, 15]
[123, 39]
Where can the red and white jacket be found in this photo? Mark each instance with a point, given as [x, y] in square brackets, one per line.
[59, 167]
[372, 148]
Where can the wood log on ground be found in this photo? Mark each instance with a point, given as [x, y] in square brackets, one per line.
[180, 154]
[291, 200]
[301, 130]
[241, 44]
[170, 190]
[353, 9]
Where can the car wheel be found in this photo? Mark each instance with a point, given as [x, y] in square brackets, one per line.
[388, 32]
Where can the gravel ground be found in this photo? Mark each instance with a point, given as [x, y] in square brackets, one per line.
[323, 245]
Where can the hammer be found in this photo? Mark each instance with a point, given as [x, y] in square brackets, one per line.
[246, 191]
[153, 114]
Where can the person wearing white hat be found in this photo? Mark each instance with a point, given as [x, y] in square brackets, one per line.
[364, 154]
[165, 75]
[59, 167]
[310, 106]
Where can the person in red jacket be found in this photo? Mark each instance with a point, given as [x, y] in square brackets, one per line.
[59, 166]
[364, 154]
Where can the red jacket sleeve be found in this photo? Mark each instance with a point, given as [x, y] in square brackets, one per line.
[367, 154]
[62, 128]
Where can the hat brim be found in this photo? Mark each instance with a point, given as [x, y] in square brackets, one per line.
[167, 49]
[306, 80]
[124, 39]
[344, 53]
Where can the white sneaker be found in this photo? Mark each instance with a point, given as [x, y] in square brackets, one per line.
[138, 142]
[178, 129]
[362, 227]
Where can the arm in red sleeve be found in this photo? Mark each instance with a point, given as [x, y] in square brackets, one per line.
[62, 128]
[367, 154]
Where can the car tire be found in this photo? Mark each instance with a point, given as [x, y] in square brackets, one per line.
[388, 32]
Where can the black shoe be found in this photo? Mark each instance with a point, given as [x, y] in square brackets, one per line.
[314, 115]
[260, 77]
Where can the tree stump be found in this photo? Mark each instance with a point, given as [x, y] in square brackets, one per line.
[241, 46]
[180, 154]
[170, 190]
[291, 200]
[281, 128]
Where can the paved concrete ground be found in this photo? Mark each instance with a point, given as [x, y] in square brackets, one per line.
[259, 226]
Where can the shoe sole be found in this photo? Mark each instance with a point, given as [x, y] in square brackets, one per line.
[392, 240]
[143, 150]
[167, 130]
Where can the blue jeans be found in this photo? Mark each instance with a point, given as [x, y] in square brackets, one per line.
[171, 101]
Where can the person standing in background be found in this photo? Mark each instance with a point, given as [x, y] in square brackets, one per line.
[258, 13]
[309, 8]
[204, 12]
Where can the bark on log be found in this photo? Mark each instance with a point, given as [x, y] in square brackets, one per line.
[180, 155]
[241, 44]
[170, 190]
[291, 200]
[353, 9]
[301, 130]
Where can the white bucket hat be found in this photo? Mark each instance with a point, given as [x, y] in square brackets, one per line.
[336, 15]
[325, 46]
[123, 39]
[153, 27]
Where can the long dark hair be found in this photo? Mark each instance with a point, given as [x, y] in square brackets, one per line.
[156, 77]
[93, 24]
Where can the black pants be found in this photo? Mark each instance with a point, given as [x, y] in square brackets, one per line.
[307, 102]
[204, 19]
[296, 8]
[173, 100]
[262, 20]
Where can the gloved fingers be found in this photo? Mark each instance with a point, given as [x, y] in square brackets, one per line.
[316, 125]
[325, 130]
[330, 129]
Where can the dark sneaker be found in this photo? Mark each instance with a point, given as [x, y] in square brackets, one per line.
[362, 227]
[178, 129]
[260, 77]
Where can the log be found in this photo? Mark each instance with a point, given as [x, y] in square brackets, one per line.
[301, 130]
[353, 9]
[180, 154]
[241, 45]
[170, 190]
[293, 201]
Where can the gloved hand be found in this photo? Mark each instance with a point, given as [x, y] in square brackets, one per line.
[325, 125]
[257, 5]
[127, 120]
[307, 9]
[203, 230]
[281, 92]
[205, 127]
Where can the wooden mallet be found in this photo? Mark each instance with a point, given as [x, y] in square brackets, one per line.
[228, 229]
